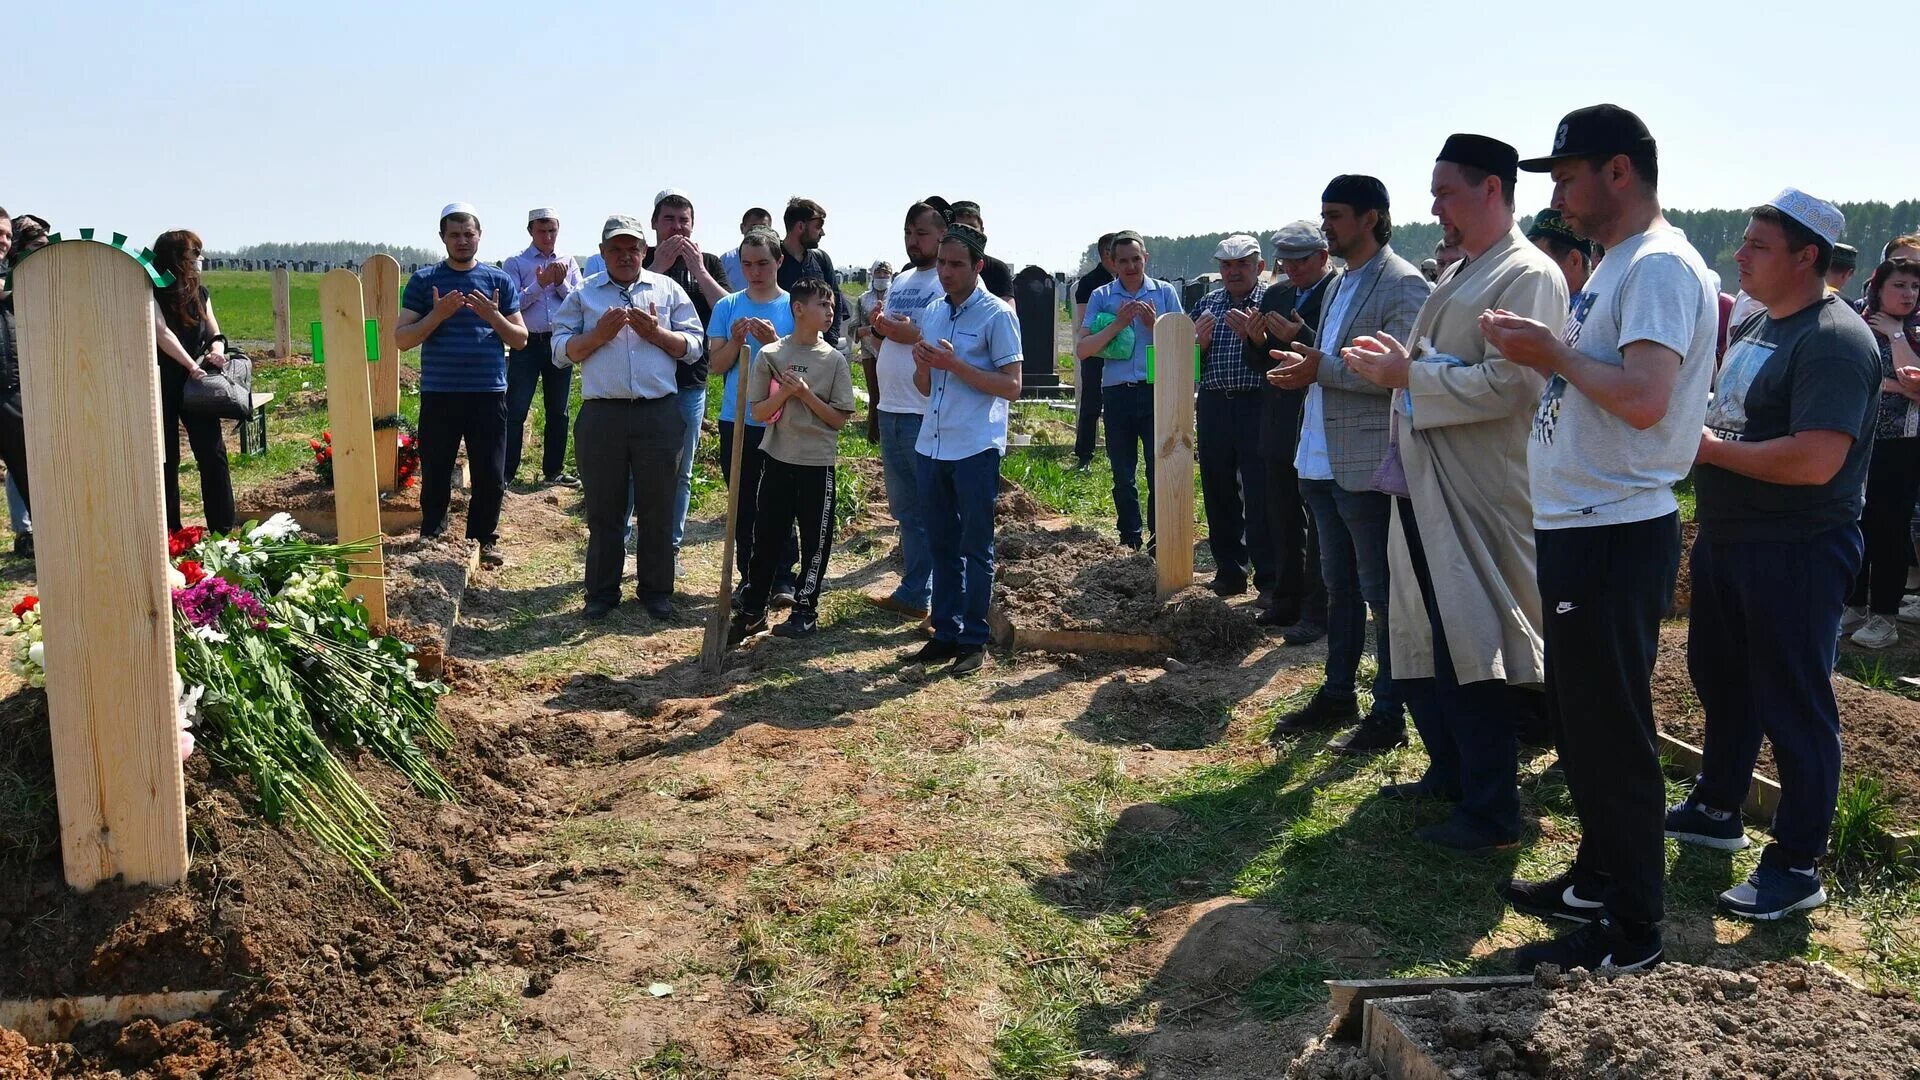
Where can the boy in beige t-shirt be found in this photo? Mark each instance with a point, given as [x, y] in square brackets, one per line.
[802, 389]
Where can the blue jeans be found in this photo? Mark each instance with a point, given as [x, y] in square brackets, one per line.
[528, 370]
[959, 499]
[17, 509]
[693, 410]
[1129, 410]
[1353, 558]
[898, 432]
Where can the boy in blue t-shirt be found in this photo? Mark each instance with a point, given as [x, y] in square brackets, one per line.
[462, 315]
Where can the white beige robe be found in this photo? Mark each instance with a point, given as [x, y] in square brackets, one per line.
[1465, 455]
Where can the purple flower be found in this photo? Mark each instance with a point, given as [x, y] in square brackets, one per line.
[203, 603]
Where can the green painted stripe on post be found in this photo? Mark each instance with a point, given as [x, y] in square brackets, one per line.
[319, 351]
[373, 341]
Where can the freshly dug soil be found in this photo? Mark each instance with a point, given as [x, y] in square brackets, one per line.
[302, 490]
[1879, 732]
[425, 579]
[1781, 1020]
[1683, 580]
[1077, 579]
[1014, 506]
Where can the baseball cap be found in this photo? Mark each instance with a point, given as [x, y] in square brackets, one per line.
[1822, 217]
[622, 225]
[666, 193]
[541, 213]
[1237, 246]
[1298, 239]
[1591, 132]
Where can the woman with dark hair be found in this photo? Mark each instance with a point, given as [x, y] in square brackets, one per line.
[190, 344]
[13, 427]
[1893, 477]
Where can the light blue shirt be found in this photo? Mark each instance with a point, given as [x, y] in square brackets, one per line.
[731, 309]
[736, 277]
[962, 421]
[538, 302]
[627, 367]
[1110, 298]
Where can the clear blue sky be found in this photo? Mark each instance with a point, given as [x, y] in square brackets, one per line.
[251, 122]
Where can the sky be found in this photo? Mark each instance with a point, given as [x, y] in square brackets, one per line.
[252, 122]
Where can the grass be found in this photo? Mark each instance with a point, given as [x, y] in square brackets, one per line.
[1862, 820]
[471, 998]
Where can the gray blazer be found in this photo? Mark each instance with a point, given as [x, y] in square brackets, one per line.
[1386, 295]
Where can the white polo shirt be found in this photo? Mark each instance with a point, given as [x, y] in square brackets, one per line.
[912, 292]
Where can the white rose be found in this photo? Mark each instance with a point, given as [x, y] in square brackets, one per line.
[37, 654]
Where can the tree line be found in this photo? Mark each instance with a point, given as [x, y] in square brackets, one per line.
[332, 251]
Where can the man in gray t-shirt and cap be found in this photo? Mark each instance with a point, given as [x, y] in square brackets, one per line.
[1618, 424]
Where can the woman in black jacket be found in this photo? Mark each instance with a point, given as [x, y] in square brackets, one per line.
[190, 345]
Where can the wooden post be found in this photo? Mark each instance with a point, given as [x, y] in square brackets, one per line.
[282, 314]
[92, 397]
[1173, 452]
[380, 292]
[356, 495]
[713, 649]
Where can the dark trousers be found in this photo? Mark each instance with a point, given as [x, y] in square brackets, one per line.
[1086, 417]
[481, 421]
[1296, 542]
[1353, 561]
[1233, 482]
[958, 496]
[209, 445]
[1761, 639]
[13, 449]
[529, 369]
[1602, 592]
[790, 495]
[1129, 409]
[753, 464]
[628, 453]
[1893, 478]
[1470, 730]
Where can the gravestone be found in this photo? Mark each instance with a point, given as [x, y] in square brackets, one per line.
[1034, 304]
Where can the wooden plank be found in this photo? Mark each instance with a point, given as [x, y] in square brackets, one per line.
[380, 293]
[356, 494]
[1346, 997]
[49, 1020]
[282, 314]
[1763, 795]
[1392, 1050]
[92, 396]
[1088, 641]
[1173, 454]
[713, 649]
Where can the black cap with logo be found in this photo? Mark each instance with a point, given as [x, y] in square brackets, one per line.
[1591, 132]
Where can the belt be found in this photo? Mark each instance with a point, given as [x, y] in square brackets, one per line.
[1228, 393]
[539, 333]
[625, 400]
[1124, 385]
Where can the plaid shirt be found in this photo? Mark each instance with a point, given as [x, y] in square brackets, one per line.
[1226, 366]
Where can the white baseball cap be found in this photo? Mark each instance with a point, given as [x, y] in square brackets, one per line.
[666, 193]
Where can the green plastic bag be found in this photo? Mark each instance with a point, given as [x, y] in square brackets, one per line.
[1121, 347]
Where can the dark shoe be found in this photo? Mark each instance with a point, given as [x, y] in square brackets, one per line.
[1774, 892]
[1281, 613]
[935, 652]
[23, 546]
[1418, 791]
[1130, 542]
[742, 627]
[1458, 835]
[1563, 897]
[1371, 737]
[1320, 713]
[897, 606]
[1599, 944]
[562, 480]
[1693, 823]
[782, 599]
[798, 625]
[491, 558]
[969, 661]
[598, 609]
[1302, 633]
[1083, 465]
[1225, 587]
[1263, 599]
[661, 608]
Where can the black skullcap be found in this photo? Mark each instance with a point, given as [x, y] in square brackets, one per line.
[968, 237]
[940, 204]
[1845, 256]
[1549, 223]
[962, 206]
[1486, 154]
[1363, 193]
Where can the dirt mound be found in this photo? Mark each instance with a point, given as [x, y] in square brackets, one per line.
[303, 494]
[1879, 732]
[1014, 506]
[1790, 1019]
[1077, 579]
[425, 580]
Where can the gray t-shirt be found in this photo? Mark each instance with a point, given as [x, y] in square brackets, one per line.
[1815, 370]
[797, 436]
[1588, 466]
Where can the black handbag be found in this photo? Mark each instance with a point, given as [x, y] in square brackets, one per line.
[226, 393]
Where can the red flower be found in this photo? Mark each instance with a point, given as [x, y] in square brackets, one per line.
[25, 605]
[181, 542]
[192, 571]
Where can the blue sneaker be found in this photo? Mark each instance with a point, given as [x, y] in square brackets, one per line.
[1774, 892]
[1694, 823]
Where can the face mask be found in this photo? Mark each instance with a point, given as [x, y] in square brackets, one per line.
[882, 284]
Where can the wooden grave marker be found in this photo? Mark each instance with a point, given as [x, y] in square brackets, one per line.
[713, 649]
[356, 495]
[282, 314]
[1173, 452]
[380, 292]
[87, 373]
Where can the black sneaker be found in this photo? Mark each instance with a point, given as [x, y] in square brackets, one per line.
[1599, 944]
[1320, 713]
[782, 598]
[1263, 599]
[935, 652]
[598, 609]
[1225, 587]
[1303, 633]
[660, 608]
[970, 660]
[1774, 892]
[1419, 791]
[798, 625]
[1373, 736]
[741, 627]
[1563, 897]
[1280, 613]
[561, 479]
[1696, 823]
[1457, 835]
[23, 545]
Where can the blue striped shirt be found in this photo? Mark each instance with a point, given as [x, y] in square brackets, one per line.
[463, 354]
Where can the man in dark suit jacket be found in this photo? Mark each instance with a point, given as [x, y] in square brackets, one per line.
[1343, 439]
[1290, 315]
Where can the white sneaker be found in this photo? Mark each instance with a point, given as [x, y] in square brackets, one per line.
[1851, 619]
[1878, 633]
[1910, 610]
